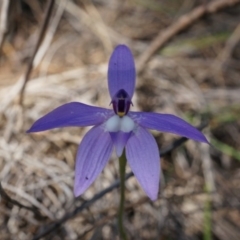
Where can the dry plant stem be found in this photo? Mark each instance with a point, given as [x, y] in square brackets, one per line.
[3, 21]
[108, 218]
[100, 25]
[92, 19]
[42, 31]
[5, 196]
[55, 225]
[122, 169]
[207, 168]
[225, 55]
[182, 23]
[33, 201]
[36, 8]
[231, 43]
[52, 27]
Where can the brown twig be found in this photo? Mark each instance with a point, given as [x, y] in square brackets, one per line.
[179, 25]
[42, 31]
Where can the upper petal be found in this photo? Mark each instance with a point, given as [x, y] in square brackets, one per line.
[168, 123]
[93, 154]
[143, 157]
[71, 114]
[121, 71]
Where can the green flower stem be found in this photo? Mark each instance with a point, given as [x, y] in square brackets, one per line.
[122, 167]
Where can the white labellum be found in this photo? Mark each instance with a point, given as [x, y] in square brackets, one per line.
[115, 124]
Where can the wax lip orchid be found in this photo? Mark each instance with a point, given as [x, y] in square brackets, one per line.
[118, 128]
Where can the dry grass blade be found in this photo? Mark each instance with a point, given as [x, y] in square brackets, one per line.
[6, 197]
[3, 21]
[231, 43]
[93, 20]
[48, 13]
[182, 23]
[30, 199]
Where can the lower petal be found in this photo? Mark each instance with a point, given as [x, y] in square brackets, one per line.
[143, 157]
[93, 154]
[120, 140]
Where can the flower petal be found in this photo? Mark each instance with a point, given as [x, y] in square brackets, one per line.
[119, 140]
[93, 154]
[143, 157]
[121, 71]
[71, 114]
[168, 123]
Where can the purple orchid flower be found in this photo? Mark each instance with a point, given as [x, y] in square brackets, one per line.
[119, 128]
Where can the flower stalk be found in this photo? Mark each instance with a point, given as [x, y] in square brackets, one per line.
[122, 168]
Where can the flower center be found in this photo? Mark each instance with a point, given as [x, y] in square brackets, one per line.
[121, 103]
[116, 124]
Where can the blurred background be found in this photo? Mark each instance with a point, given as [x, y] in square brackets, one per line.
[188, 59]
